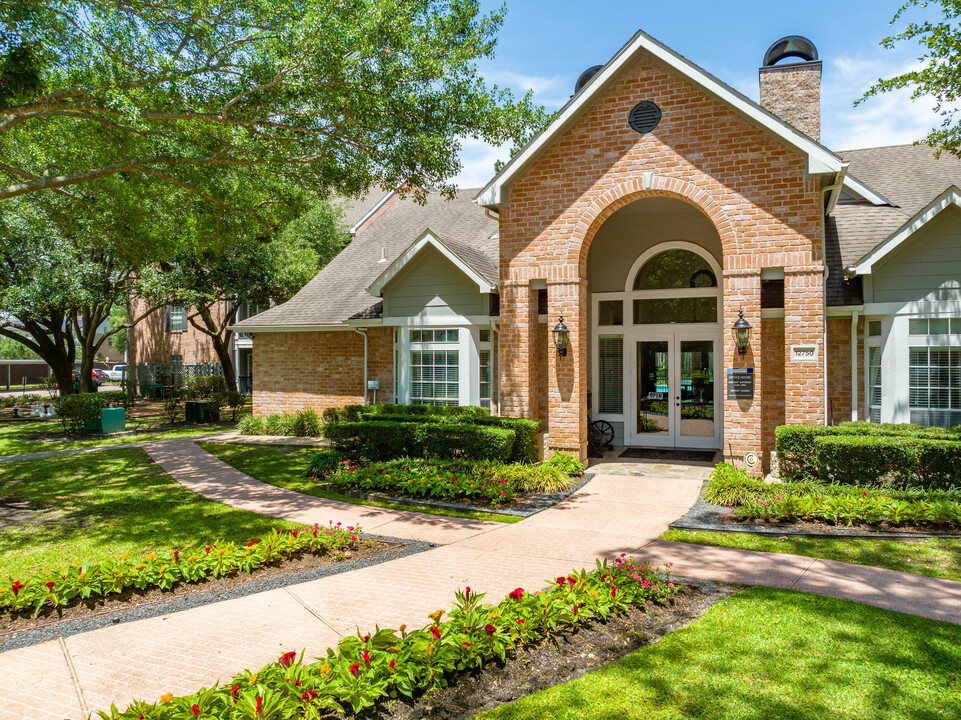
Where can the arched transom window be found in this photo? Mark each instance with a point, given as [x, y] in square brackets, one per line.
[675, 286]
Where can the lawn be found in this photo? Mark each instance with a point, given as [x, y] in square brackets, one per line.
[935, 557]
[99, 505]
[284, 467]
[773, 655]
[12, 434]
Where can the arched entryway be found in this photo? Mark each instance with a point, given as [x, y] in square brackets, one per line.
[656, 317]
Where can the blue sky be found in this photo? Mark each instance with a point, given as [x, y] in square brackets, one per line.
[545, 46]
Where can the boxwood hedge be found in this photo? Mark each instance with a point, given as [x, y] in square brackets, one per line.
[383, 440]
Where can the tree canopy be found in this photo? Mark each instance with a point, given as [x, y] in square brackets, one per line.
[939, 76]
[229, 102]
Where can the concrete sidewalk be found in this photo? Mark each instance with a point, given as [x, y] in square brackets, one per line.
[613, 513]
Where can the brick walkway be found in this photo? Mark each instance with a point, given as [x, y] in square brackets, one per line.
[614, 513]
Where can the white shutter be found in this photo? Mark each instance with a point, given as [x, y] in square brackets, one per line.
[611, 374]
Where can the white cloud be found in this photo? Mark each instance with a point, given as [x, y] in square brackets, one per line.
[478, 160]
[551, 92]
[891, 118]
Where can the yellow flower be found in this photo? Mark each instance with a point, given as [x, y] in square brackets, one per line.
[395, 649]
[494, 616]
[593, 593]
[253, 678]
[436, 615]
[325, 669]
[81, 576]
[403, 630]
[152, 556]
[166, 698]
[430, 649]
[163, 569]
[139, 566]
[192, 558]
[124, 556]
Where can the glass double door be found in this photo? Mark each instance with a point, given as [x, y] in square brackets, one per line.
[676, 393]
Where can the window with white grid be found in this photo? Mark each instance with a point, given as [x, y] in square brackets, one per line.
[874, 383]
[434, 367]
[935, 385]
[610, 374]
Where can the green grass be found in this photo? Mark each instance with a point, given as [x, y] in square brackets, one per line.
[772, 655]
[12, 434]
[934, 557]
[284, 467]
[102, 504]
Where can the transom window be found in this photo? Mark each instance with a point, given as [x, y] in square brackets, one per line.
[673, 270]
[675, 286]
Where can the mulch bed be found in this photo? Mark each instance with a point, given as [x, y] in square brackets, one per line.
[566, 658]
[717, 518]
[133, 598]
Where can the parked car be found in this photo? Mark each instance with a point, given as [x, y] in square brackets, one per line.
[97, 375]
[116, 373]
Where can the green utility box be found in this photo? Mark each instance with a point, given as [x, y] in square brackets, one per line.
[148, 390]
[112, 420]
[198, 411]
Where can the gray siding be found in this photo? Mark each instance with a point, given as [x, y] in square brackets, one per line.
[926, 267]
[433, 286]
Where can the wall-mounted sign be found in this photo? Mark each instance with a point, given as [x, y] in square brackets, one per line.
[751, 459]
[804, 353]
[740, 383]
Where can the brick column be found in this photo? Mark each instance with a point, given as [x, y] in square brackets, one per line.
[804, 382]
[567, 391]
[518, 320]
[742, 418]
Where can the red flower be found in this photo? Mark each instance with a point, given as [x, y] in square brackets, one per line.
[571, 580]
[233, 691]
[287, 659]
[467, 644]
[207, 550]
[575, 611]
[294, 532]
[260, 704]
[176, 556]
[435, 631]
[355, 669]
[391, 664]
[309, 695]
[521, 621]
[195, 709]
[366, 657]
[366, 638]
[516, 594]
[251, 543]
[16, 587]
[613, 590]
[560, 581]
[279, 531]
[50, 585]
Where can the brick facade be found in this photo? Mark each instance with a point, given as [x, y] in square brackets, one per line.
[149, 340]
[839, 369]
[793, 93]
[752, 188]
[319, 369]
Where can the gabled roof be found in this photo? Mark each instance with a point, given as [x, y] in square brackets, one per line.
[819, 158]
[338, 293]
[949, 198]
[470, 262]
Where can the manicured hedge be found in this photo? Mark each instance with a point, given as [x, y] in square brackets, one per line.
[385, 440]
[797, 445]
[413, 413]
[78, 410]
[902, 461]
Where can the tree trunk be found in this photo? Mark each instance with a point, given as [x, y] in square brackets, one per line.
[53, 341]
[220, 337]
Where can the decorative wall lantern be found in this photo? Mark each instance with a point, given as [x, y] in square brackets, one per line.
[742, 333]
[561, 338]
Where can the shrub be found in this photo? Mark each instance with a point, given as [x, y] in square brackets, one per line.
[322, 463]
[173, 406]
[525, 447]
[116, 398]
[280, 424]
[384, 439]
[730, 485]
[899, 461]
[78, 410]
[427, 411]
[425, 481]
[10, 401]
[236, 402]
[797, 450]
[544, 478]
[566, 463]
[251, 425]
[211, 387]
[307, 423]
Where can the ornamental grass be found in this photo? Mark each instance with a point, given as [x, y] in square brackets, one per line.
[166, 568]
[367, 669]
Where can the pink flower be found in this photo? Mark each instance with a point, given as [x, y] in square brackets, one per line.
[391, 664]
[309, 695]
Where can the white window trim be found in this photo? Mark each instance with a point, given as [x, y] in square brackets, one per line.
[468, 358]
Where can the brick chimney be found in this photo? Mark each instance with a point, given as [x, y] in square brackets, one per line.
[793, 91]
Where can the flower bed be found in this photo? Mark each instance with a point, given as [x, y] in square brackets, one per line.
[491, 484]
[168, 568]
[367, 669]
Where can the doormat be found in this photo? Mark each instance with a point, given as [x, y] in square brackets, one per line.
[669, 455]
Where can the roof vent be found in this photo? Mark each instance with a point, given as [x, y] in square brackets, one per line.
[586, 77]
[644, 117]
[790, 46]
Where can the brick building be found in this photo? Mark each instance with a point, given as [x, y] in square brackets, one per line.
[657, 210]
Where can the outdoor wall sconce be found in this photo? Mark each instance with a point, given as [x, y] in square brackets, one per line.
[742, 333]
[561, 338]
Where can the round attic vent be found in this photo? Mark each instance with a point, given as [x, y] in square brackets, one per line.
[790, 46]
[644, 117]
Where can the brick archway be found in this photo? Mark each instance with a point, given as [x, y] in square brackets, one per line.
[649, 185]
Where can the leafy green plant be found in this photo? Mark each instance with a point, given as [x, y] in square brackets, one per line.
[78, 410]
[166, 569]
[367, 668]
[322, 463]
[566, 463]
[173, 406]
[385, 440]
[251, 425]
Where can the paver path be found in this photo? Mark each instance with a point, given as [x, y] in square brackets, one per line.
[613, 513]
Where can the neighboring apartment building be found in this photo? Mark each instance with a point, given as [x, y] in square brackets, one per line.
[710, 270]
[166, 345]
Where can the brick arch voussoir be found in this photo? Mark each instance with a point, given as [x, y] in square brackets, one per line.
[613, 199]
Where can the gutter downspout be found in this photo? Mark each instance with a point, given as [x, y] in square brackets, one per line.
[495, 328]
[854, 366]
[363, 333]
[827, 206]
